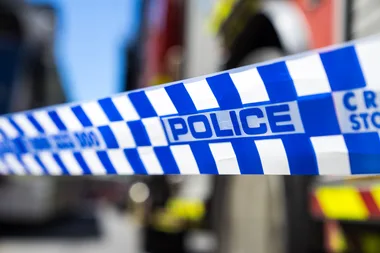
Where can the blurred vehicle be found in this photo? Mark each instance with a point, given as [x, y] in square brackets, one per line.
[249, 32]
[345, 208]
[253, 32]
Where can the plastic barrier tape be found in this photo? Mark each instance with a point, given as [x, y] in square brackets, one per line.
[315, 113]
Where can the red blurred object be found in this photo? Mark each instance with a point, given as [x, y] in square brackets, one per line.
[164, 30]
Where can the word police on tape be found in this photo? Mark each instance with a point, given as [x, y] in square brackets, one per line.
[252, 121]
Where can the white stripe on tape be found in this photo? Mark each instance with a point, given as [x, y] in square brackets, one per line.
[50, 163]
[185, 159]
[125, 108]
[201, 94]
[150, 161]
[8, 129]
[14, 163]
[123, 134]
[3, 168]
[93, 162]
[69, 119]
[33, 166]
[273, 157]
[250, 86]
[369, 57]
[95, 113]
[225, 158]
[70, 163]
[27, 127]
[120, 162]
[308, 75]
[161, 102]
[46, 123]
[328, 149]
[155, 131]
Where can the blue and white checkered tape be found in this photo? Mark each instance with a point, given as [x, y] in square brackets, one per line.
[312, 114]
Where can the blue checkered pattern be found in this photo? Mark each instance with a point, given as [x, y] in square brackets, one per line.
[124, 134]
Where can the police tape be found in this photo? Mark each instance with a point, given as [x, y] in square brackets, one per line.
[312, 114]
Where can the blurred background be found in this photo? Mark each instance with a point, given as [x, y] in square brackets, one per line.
[56, 51]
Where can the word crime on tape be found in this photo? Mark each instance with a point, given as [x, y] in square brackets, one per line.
[311, 114]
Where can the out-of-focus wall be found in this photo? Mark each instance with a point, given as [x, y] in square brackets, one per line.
[255, 215]
[203, 53]
[366, 18]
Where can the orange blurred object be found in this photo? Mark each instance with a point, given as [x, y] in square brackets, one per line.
[320, 19]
